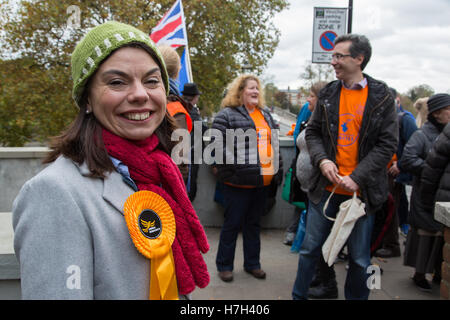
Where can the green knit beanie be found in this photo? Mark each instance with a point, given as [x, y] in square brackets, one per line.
[98, 44]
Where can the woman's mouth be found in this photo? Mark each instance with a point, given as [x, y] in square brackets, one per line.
[136, 116]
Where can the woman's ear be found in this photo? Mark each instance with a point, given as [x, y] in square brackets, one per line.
[88, 106]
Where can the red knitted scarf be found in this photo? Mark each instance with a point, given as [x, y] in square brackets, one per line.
[153, 169]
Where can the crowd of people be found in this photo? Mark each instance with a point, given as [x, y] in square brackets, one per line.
[392, 152]
[81, 225]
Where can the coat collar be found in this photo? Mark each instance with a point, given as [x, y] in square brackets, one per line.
[115, 190]
[331, 93]
[242, 109]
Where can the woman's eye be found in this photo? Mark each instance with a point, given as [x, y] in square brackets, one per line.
[152, 82]
[116, 82]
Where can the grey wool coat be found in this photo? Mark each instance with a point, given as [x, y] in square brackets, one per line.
[71, 238]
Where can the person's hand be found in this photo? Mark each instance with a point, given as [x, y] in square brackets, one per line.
[348, 184]
[329, 170]
[394, 170]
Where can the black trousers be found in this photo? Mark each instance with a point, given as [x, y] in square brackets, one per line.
[243, 210]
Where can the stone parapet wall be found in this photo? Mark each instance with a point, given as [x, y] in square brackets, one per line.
[442, 214]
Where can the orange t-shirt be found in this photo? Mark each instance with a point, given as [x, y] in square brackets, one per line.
[351, 109]
[263, 134]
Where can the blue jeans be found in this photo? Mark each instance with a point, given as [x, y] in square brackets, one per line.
[358, 244]
[243, 210]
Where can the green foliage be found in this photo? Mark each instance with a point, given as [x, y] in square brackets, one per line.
[408, 99]
[224, 34]
[315, 72]
[269, 92]
[419, 91]
[407, 104]
[32, 106]
[35, 100]
[295, 109]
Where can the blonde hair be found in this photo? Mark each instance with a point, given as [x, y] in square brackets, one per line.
[171, 59]
[422, 111]
[233, 97]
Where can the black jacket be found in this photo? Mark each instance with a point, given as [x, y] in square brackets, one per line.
[416, 151]
[435, 181]
[377, 141]
[249, 172]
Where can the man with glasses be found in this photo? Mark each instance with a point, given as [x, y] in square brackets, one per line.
[352, 135]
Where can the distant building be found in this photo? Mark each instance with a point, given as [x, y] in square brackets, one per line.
[294, 96]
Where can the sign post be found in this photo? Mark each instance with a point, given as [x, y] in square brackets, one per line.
[329, 23]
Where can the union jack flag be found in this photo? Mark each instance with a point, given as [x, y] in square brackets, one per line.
[171, 29]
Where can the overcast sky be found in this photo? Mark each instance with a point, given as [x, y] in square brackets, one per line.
[410, 41]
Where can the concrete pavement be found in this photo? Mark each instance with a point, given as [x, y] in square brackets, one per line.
[281, 268]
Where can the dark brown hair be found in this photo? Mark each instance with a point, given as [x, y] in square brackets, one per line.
[82, 141]
[360, 46]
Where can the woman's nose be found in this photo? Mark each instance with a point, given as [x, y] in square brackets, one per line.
[138, 93]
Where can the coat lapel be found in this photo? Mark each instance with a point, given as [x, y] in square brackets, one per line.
[115, 190]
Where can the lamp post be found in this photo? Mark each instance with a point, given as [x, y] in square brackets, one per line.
[246, 67]
[350, 16]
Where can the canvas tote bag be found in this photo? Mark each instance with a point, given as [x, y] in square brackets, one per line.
[349, 212]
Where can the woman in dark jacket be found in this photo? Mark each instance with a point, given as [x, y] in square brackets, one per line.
[435, 182]
[424, 243]
[250, 165]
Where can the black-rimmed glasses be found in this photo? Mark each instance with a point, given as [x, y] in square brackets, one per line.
[338, 56]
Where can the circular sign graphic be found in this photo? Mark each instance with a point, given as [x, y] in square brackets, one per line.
[326, 40]
[150, 224]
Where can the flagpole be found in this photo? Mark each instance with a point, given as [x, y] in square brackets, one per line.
[188, 58]
[188, 63]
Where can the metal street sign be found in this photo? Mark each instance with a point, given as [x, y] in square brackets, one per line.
[329, 23]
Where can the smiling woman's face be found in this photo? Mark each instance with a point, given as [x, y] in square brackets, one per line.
[250, 93]
[127, 95]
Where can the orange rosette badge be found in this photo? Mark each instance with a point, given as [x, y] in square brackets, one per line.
[152, 228]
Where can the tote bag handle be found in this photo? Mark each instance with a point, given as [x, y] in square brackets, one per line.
[326, 205]
[328, 200]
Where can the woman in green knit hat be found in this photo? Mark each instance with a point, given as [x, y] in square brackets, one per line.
[110, 212]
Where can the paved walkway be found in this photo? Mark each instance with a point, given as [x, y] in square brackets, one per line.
[281, 268]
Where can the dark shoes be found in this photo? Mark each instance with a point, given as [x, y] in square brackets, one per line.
[437, 279]
[422, 283]
[329, 291]
[257, 273]
[226, 276]
[387, 253]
